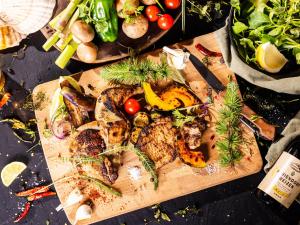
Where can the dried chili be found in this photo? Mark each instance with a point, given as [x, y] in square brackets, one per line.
[24, 212]
[40, 195]
[207, 52]
[4, 99]
[33, 191]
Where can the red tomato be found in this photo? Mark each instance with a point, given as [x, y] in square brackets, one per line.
[132, 106]
[152, 12]
[165, 22]
[172, 4]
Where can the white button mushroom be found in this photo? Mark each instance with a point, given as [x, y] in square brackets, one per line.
[82, 32]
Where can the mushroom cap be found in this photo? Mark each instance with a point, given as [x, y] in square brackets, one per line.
[82, 31]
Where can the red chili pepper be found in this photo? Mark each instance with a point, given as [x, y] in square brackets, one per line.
[33, 191]
[24, 213]
[40, 195]
[4, 99]
[207, 52]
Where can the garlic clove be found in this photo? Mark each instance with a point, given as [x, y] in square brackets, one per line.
[83, 212]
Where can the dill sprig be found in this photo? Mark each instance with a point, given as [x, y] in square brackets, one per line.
[228, 129]
[135, 71]
[26, 128]
[148, 164]
[82, 159]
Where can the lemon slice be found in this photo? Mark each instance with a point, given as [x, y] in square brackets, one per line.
[10, 172]
[270, 58]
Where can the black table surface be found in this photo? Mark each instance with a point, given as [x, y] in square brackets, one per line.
[230, 203]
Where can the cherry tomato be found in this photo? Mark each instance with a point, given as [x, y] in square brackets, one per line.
[152, 13]
[172, 4]
[165, 22]
[132, 106]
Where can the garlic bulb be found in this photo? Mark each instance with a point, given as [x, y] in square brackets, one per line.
[176, 58]
[74, 197]
[83, 212]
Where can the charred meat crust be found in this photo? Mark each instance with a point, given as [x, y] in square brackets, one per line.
[78, 115]
[89, 142]
[78, 99]
[158, 141]
[115, 97]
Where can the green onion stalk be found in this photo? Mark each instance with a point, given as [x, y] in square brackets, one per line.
[67, 54]
[66, 15]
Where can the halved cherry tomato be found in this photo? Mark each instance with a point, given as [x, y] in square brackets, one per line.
[132, 106]
[172, 4]
[165, 22]
[152, 13]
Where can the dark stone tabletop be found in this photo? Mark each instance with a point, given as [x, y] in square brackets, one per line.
[232, 203]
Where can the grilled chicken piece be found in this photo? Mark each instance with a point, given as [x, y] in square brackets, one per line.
[89, 143]
[114, 98]
[192, 132]
[158, 141]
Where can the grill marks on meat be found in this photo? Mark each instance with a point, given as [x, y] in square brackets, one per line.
[158, 141]
[90, 143]
[118, 132]
[114, 98]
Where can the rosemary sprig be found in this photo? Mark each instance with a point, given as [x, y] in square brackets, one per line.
[26, 128]
[135, 71]
[102, 185]
[148, 164]
[227, 127]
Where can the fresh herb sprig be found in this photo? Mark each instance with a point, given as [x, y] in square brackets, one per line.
[135, 71]
[148, 164]
[228, 129]
[102, 185]
[25, 128]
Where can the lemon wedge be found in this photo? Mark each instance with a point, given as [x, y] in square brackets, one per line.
[270, 58]
[10, 172]
[56, 103]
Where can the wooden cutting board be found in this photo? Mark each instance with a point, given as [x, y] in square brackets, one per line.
[175, 179]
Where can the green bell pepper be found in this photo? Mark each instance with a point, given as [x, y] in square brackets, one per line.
[105, 20]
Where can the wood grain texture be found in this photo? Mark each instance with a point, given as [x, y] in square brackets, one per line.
[175, 179]
[120, 48]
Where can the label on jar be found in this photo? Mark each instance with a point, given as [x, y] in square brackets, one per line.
[283, 181]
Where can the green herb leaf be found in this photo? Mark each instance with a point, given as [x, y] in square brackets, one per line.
[165, 217]
[148, 164]
[239, 27]
[257, 19]
[180, 119]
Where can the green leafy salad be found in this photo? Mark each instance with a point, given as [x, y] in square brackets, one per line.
[276, 22]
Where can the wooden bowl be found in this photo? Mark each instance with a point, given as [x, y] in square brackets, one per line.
[120, 48]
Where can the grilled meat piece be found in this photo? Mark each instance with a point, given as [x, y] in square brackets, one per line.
[114, 98]
[78, 99]
[158, 141]
[118, 132]
[78, 115]
[89, 143]
[192, 132]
